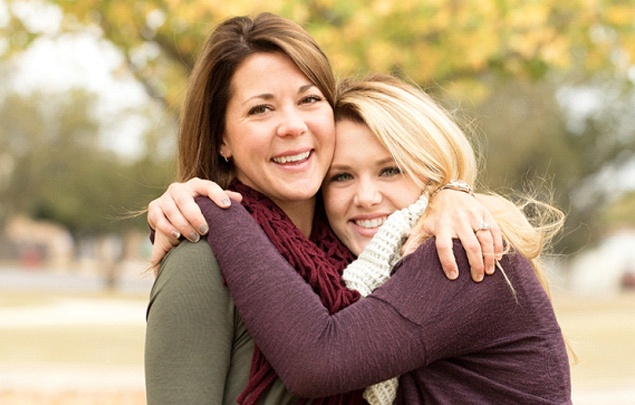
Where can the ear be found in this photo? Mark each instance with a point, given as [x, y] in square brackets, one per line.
[224, 150]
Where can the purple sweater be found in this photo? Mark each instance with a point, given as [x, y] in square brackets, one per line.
[450, 341]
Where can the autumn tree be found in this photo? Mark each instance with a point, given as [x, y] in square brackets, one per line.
[56, 168]
[507, 63]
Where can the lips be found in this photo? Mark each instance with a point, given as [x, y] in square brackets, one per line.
[292, 158]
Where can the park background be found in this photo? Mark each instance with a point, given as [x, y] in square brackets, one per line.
[89, 100]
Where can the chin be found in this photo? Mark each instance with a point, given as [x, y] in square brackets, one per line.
[359, 248]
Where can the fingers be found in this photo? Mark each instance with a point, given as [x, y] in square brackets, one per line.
[186, 215]
[161, 246]
[176, 204]
[200, 187]
[446, 256]
[176, 212]
[491, 243]
[234, 195]
[497, 237]
[157, 218]
[473, 248]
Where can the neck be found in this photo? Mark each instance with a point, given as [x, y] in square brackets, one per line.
[301, 213]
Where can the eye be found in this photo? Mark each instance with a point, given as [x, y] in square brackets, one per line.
[312, 99]
[340, 177]
[391, 171]
[259, 109]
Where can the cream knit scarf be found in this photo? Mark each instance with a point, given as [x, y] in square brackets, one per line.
[372, 269]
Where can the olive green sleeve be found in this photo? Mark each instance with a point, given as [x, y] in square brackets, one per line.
[194, 353]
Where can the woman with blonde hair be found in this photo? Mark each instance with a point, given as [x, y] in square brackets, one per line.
[449, 341]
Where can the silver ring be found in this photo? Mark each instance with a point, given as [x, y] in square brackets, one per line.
[484, 226]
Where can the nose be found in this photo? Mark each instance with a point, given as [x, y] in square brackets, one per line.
[367, 193]
[292, 122]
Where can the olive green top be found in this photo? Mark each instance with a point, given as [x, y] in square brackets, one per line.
[197, 348]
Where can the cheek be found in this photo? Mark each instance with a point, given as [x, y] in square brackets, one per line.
[335, 205]
[324, 129]
[405, 195]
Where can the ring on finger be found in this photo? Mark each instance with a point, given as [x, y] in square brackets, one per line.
[483, 226]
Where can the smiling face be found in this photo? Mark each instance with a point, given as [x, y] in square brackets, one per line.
[279, 129]
[363, 186]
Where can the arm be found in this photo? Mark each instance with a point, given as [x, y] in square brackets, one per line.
[451, 214]
[190, 331]
[379, 337]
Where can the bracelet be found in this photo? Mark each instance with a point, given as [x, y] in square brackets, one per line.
[456, 185]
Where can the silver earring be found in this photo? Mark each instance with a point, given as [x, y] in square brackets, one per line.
[224, 157]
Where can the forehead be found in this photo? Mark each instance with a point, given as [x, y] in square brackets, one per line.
[355, 138]
[263, 70]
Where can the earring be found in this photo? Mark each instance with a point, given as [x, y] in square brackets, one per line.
[224, 157]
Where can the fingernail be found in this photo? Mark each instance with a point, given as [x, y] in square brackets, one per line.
[194, 237]
[453, 275]
[203, 229]
[225, 202]
[176, 234]
[479, 277]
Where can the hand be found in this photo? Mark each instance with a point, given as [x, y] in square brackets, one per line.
[455, 214]
[161, 246]
[175, 213]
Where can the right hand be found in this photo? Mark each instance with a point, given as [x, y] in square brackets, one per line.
[175, 213]
[455, 215]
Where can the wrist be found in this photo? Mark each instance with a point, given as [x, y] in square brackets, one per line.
[456, 185]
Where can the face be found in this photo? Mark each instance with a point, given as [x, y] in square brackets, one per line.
[363, 186]
[279, 129]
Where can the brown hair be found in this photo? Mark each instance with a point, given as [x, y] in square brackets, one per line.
[202, 120]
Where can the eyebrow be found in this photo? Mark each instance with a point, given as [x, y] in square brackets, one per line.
[269, 96]
[382, 162]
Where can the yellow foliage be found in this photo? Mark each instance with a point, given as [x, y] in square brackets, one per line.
[621, 15]
[432, 41]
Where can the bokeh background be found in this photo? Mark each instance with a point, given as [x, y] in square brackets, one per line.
[90, 93]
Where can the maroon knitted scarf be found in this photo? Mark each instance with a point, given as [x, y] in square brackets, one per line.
[319, 260]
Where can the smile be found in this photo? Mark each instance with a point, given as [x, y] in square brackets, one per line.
[292, 159]
[370, 223]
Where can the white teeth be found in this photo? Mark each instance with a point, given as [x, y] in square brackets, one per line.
[370, 223]
[290, 159]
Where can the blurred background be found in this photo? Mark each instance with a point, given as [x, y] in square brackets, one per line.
[90, 94]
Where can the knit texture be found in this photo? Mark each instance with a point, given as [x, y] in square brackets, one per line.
[319, 260]
[373, 267]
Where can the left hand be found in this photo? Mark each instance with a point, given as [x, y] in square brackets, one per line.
[454, 214]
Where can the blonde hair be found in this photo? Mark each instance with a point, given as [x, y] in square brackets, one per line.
[430, 148]
[424, 141]
[202, 120]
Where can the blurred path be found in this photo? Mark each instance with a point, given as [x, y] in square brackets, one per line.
[63, 333]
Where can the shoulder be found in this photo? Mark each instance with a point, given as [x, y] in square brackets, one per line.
[188, 264]
[190, 252]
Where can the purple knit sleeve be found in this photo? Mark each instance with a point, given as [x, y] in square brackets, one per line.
[317, 354]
